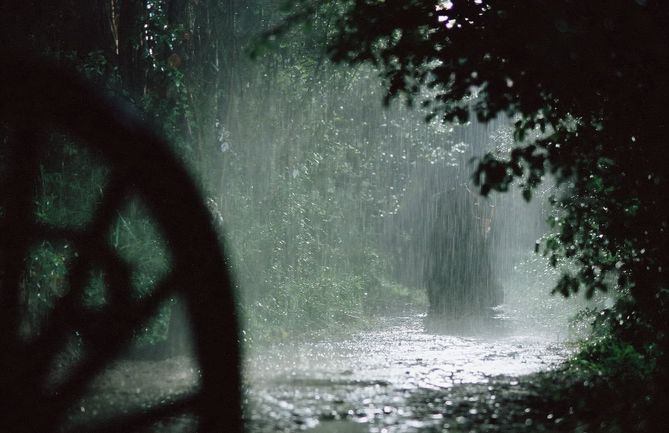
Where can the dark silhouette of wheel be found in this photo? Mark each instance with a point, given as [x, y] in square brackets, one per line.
[38, 99]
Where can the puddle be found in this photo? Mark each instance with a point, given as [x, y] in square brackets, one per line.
[341, 426]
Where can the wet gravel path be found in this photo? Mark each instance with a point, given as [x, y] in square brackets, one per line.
[400, 378]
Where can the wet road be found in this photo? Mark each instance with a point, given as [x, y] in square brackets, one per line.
[397, 378]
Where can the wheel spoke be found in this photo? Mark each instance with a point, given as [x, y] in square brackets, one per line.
[93, 250]
[15, 230]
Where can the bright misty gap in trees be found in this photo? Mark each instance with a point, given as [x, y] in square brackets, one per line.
[340, 203]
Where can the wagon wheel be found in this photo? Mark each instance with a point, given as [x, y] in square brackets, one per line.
[38, 99]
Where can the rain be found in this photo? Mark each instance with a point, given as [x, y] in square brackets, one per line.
[332, 217]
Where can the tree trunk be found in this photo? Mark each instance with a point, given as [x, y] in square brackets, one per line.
[130, 46]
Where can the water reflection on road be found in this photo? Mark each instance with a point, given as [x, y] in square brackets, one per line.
[366, 382]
